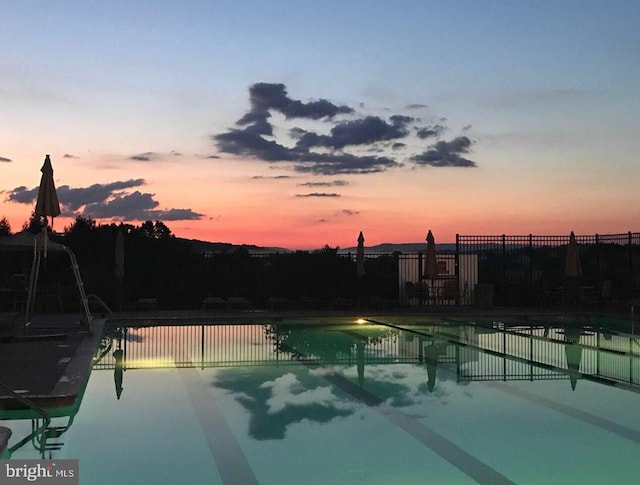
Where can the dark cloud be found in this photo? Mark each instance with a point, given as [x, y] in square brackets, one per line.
[333, 183]
[212, 157]
[318, 194]
[72, 199]
[268, 96]
[348, 212]
[102, 201]
[247, 143]
[22, 195]
[415, 106]
[175, 153]
[241, 142]
[343, 163]
[446, 154]
[134, 205]
[257, 122]
[357, 132]
[296, 132]
[144, 157]
[430, 131]
[137, 206]
[175, 215]
[320, 153]
[401, 120]
[467, 127]
[68, 155]
[4, 159]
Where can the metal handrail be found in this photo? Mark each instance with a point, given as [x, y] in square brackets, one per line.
[27, 403]
[40, 429]
[101, 302]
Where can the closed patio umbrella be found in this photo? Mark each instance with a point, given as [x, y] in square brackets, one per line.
[119, 271]
[573, 353]
[360, 256]
[572, 267]
[47, 203]
[431, 269]
[572, 271]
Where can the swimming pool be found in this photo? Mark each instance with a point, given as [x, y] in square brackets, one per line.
[386, 400]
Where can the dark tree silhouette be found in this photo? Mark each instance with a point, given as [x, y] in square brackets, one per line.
[5, 227]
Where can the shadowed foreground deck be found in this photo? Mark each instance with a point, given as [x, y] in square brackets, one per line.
[51, 363]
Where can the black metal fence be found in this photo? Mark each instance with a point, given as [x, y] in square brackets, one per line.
[522, 268]
[501, 270]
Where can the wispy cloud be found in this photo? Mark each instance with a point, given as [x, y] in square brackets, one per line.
[5, 160]
[333, 183]
[144, 157]
[272, 177]
[318, 194]
[69, 155]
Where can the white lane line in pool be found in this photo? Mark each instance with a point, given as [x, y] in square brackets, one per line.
[465, 462]
[584, 416]
[233, 466]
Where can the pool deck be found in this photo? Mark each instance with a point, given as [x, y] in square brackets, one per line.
[52, 363]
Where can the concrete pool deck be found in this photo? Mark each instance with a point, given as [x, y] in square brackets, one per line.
[50, 364]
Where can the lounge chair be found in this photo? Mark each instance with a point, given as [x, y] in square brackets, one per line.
[239, 303]
[144, 304]
[281, 303]
[213, 303]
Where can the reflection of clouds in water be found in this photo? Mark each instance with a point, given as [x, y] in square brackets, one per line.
[133, 337]
[276, 400]
[406, 385]
[287, 390]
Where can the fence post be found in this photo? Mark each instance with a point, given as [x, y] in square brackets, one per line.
[530, 262]
[597, 251]
[457, 271]
[504, 268]
[629, 241]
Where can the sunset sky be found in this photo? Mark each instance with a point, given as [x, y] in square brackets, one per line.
[299, 124]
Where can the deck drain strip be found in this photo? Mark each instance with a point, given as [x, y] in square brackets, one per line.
[584, 416]
[232, 464]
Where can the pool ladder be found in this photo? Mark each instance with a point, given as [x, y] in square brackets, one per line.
[37, 429]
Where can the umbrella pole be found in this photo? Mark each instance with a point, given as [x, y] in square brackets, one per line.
[33, 288]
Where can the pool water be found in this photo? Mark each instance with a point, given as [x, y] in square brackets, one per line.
[303, 402]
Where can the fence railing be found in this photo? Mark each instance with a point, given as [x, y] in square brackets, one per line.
[522, 268]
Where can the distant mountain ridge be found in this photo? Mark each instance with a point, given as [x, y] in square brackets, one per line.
[199, 246]
[388, 248]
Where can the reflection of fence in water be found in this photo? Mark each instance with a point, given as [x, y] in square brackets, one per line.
[532, 353]
[230, 345]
